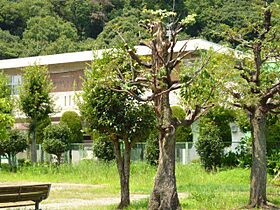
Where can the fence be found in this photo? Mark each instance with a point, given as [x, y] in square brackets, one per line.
[185, 152]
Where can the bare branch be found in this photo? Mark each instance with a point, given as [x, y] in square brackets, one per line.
[270, 93]
[136, 58]
[135, 96]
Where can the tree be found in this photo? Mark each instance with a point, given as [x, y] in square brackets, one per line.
[73, 121]
[42, 32]
[6, 118]
[15, 143]
[9, 45]
[125, 25]
[155, 78]
[57, 140]
[35, 100]
[253, 82]
[118, 116]
[210, 145]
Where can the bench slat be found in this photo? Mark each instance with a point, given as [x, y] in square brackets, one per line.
[9, 190]
[37, 188]
[36, 196]
[10, 194]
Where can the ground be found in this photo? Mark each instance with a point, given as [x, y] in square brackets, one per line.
[92, 185]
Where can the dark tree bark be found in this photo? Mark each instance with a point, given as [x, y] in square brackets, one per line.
[33, 143]
[164, 194]
[123, 164]
[258, 170]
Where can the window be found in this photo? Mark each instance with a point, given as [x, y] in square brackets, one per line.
[15, 84]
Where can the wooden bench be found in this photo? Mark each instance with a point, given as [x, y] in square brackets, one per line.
[24, 195]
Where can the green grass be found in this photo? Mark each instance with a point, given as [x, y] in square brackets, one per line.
[226, 189]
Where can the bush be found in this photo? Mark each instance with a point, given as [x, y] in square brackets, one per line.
[273, 162]
[244, 152]
[15, 143]
[56, 140]
[103, 148]
[210, 146]
[73, 121]
[151, 154]
[230, 159]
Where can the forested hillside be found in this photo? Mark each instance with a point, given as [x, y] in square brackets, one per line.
[42, 27]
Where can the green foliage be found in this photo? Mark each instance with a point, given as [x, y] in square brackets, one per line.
[103, 148]
[126, 25]
[10, 46]
[210, 146]
[273, 162]
[34, 96]
[109, 112]
[16, 142]
[221, 117]
[44, 33]
[7, 120]
[178, 112]
[42, 124]
[73, 121]
[183, 133]
[244, 151]
[151, 154]
[56, 139]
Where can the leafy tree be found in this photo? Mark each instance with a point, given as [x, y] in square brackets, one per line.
[7, 120]
[253, 82]
[221, 117]
[10, 46]
[210, 145]
[118, 116]
[15, 143]
[41, 32]
[124, 25]
[155, 78]
[57, 140]
[35, 100]
[103, 148]
[212, 14]
[73, 121]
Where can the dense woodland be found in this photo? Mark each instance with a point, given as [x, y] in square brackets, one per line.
[36, 27]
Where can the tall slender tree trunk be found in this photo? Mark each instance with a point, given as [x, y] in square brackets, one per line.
[33, 144]
[258, 170]
[164, 194]
[123, 164]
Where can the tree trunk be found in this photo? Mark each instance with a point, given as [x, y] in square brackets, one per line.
[164, 194]
[258, 170]
[33, 145]
[58, 159]
[123, 164]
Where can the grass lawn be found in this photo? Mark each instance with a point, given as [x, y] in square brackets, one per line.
[226, 189]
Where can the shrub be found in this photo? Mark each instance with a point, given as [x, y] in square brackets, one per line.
[230, 159]
[73, 121]
[56, 140]
[273, 162]
[15, 143]
[103, 148]
[151, 153]
[210, 146]
[244, 152]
